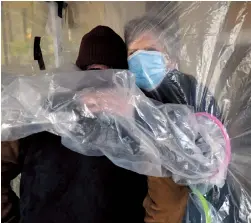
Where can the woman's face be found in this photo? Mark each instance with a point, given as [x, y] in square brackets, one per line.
[144, 42]
[149, 42]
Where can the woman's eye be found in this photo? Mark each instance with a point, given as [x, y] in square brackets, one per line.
[150, 49]
[131, 52]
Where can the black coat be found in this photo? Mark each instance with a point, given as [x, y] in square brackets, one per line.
[59, 185]
[180, 88]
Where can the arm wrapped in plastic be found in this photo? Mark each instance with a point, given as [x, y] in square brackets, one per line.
[107, 114]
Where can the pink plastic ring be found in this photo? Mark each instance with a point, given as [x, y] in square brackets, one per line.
[226, 137]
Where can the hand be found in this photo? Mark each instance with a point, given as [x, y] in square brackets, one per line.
[112, 101]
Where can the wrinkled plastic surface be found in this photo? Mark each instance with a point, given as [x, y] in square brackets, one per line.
[21, 23]
[108, 115]
[211, 42]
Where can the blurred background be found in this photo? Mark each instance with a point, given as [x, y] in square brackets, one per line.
[204, 30]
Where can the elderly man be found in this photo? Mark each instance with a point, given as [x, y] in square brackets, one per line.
[152, 59]
[59, 185]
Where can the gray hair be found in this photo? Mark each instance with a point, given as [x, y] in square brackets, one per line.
[164, 33]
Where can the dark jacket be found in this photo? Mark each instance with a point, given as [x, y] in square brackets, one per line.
[59, 185]
[180, 88]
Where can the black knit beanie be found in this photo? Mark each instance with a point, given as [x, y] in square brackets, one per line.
[102, 46]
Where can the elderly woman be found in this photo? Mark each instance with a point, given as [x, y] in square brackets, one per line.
[152, 59]
[149, 61]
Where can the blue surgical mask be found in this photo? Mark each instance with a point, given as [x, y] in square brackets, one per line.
[149, 68]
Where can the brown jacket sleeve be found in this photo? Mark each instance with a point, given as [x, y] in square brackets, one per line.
[10, 169]
[165, 202]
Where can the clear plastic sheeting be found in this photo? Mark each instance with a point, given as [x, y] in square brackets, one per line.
[108, 115]
[21, 23]
[60, 37]
[205, 45]
[81, 17]
[206, 50]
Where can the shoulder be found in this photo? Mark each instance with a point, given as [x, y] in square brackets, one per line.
[40, 139]
[181, 77]
[10, 150]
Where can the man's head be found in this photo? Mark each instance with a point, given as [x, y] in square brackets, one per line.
[100, 49]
